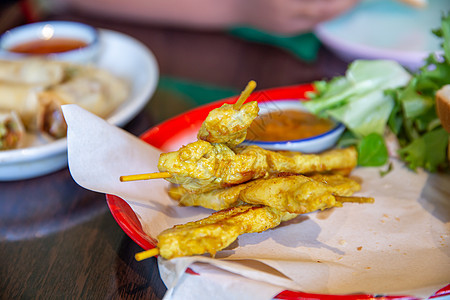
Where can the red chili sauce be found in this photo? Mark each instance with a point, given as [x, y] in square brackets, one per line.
[54, 45]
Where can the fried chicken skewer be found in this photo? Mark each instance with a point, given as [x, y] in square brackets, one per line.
[336, 184]
[217, 199]
[228, 124]
[202, 166]
[216, 232]
[296, 194]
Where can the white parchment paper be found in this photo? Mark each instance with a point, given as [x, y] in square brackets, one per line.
[398, 245]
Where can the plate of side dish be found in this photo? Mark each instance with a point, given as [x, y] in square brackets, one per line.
[183, 129]
[119, 59]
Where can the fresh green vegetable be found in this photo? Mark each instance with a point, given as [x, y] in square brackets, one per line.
[358, 100]
[372, 150]
[377, 95]
[414, 118]
[428, 151]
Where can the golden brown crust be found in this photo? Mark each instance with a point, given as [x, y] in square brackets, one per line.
[295, 194]
[217, 231]
[201, 166]
[227, 125]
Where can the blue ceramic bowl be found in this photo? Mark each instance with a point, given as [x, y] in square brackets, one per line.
[313, 144]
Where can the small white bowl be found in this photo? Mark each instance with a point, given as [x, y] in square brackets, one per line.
[49, 30]
[313, 144]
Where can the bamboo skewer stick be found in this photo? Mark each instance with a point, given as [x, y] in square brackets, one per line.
[145, 176]
[244, 95]
[354, 199]
[146, 254]
[237, 106]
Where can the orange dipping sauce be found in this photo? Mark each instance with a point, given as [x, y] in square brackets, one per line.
[54, 45]
[287, 125]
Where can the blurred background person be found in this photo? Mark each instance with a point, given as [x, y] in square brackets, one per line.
[287, 17]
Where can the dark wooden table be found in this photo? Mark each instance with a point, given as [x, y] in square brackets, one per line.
[58, 240]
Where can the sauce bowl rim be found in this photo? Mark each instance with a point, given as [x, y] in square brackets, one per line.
[336, 129]
[92, 41]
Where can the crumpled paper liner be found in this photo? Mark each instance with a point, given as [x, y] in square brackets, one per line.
[398, 245]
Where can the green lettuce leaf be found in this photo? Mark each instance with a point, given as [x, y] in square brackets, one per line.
[372, 151]
[358, 99]
[428, 151]
[366, 114]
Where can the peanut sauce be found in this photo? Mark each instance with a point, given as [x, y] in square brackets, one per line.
[54, 45]
[287, 125]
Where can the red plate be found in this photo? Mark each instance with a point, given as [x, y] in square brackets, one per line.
[165, 134]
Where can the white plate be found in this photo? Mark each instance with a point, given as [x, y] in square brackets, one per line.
[123, 56]
[385, 29]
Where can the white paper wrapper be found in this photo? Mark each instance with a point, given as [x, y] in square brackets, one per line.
[398, 245]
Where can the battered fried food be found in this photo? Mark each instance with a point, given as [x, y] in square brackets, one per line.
[229, 197]
[227, 125]
[196, 166]
[11, 130]
[341, 185]
[201, 166]
[295, 194]
[176, 192]
[216, 199]
[217, 231]
[336, 160]
[32, 71]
